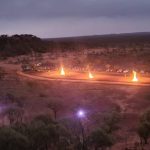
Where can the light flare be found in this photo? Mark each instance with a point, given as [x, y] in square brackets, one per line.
[90, 75]
[81, 114]
[135, 79]
[62, 72]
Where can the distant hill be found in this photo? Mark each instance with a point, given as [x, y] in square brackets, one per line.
[25, 44]
[96, 41]
[123, 35]
[129, 50]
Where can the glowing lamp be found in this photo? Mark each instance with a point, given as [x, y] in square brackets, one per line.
[81, 114]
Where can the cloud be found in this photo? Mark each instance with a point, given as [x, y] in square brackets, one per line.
[54, 18]
[75, 26]
[19, 9]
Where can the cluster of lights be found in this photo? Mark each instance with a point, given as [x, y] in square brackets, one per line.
[62, 73]
[90, 75]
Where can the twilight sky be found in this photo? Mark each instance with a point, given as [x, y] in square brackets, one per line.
[59, 18]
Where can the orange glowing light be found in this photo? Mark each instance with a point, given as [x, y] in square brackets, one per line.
[135, 79]
[90, 75]
[62, 72]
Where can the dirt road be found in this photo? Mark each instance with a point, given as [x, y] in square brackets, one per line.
[36, 77]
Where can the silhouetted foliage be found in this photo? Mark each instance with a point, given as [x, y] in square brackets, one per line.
[25, 44]
[21, 44]
[100, 139]
[110, 122]
[144, 127]
[15, 115]
[12, 140]
[44, 133]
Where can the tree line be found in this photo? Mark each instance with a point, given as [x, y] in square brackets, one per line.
[46, 132]
[20, 44]
[26, 44]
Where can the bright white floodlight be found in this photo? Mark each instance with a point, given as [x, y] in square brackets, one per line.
[81, 114]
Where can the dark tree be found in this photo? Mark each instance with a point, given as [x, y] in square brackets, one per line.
[100, 139]
[144, 127]
[15, 115]
[12, 140]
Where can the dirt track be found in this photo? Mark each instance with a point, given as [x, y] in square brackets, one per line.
[81, 80]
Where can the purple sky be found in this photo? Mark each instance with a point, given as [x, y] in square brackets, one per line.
[59, 18]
